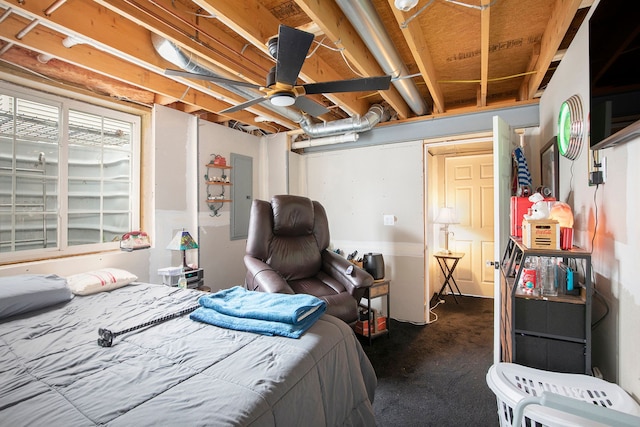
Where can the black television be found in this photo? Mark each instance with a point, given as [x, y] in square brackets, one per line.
[614, 73]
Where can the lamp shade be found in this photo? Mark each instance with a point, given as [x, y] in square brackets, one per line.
[447, 216]
[182, 241]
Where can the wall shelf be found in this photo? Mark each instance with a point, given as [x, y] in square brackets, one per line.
[216, 198]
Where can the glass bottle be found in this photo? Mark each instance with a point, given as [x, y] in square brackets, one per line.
[547, 275]
[530, 276]
[182, 281]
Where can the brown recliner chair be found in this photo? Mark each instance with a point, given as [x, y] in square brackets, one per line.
[287, 253]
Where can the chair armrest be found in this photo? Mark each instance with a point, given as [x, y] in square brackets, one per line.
[336, 266]
[261, 277]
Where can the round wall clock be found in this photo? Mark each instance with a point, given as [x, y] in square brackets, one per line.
[571, 128]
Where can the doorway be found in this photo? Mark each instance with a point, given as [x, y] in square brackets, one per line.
[460, 174]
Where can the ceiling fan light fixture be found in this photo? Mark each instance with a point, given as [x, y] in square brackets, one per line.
[283, 99]
[405, 5]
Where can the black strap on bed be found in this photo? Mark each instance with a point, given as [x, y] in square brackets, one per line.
[107, 336]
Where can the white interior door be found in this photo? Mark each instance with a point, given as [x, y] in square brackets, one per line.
[502, 191]
[469, 189]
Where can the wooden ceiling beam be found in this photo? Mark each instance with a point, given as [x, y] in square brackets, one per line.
[484, 51]
[257, 24]
[45, 40]
[419, 48]
[523, 93]
[329, 17]
[58, 70]
[561, 18]
[197, 36]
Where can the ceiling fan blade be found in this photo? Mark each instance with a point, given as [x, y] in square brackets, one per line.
[215, 79]
[353, 85]
[244, 105]
[293, 45]
[310, 107]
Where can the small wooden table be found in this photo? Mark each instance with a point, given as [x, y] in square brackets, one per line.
[447, 270]
[380, 288]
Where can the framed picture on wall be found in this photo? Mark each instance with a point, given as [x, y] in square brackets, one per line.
[549, 171]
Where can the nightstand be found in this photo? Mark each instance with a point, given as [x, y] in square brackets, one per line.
[171, 275]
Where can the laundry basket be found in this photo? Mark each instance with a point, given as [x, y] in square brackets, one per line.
[511, 383]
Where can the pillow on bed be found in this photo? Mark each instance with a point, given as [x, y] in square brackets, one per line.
[27, 292]
[105, 279]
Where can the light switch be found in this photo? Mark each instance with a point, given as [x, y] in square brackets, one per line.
[389, 220]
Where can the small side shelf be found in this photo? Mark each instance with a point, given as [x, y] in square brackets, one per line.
[551, 332]
[380, 288]
[216, 185]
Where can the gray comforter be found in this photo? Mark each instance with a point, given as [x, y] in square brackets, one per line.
[180, 372]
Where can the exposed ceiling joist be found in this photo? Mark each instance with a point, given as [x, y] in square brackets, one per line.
[463, 56]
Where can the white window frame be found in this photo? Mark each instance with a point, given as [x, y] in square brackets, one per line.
[65, 104]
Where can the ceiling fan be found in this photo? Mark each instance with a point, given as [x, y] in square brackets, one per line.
[290, 48]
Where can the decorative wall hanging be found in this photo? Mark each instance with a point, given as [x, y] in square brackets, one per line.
[571, 128]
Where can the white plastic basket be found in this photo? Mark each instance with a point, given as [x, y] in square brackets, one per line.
[512, 383]
[170, 275]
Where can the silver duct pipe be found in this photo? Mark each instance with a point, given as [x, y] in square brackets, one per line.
[327, 140]
[172, 53]
[375, 115]
[367, 23]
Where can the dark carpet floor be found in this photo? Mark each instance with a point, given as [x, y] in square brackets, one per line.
[434, 375]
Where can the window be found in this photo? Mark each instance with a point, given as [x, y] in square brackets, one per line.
[68, 175]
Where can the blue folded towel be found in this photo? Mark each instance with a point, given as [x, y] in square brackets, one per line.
[264, 327]
[286, 308]
[259, 312]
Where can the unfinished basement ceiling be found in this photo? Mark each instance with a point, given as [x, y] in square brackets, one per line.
[460, 56]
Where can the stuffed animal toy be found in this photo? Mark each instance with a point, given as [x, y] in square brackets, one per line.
[539, 209]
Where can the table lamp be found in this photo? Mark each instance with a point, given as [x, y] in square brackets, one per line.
[446, 216]
[181, 242]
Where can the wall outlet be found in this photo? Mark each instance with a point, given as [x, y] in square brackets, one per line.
[597, 168]
[389, 220]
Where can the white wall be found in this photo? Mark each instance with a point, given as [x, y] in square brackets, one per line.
[616, 248]
[221, 257]
[175, 190]
[275, 175]
[357, 187]
[136, 262]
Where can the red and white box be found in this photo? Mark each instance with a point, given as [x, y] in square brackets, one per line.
[541, 234]
[519, 207]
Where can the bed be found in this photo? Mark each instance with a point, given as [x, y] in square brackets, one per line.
[178, 372]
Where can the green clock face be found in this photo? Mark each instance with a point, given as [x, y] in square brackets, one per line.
[564, 129]
[570, 128]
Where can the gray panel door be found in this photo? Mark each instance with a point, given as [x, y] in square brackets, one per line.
[241, 194]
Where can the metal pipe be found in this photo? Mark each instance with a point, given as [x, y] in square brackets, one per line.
[5, 48]
[6, 14]
[175, 55]
[367, 23]
[375, 115]
[28, 28]
[335, 139]
[48, 11]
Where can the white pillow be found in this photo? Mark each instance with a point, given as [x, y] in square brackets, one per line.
[101, 280]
